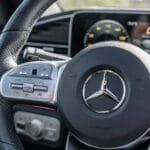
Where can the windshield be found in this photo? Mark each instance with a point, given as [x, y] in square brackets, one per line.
[78, 4]
[64, 5]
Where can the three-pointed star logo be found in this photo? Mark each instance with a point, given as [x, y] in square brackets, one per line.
[104, 90]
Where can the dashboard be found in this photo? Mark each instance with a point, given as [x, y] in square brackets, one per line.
[88, 28]
[69, 32]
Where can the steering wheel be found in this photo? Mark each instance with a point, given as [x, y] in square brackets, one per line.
[102, 93]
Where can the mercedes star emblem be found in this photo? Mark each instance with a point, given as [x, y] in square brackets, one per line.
[110, 92]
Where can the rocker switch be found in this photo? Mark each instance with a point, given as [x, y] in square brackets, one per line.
[27, 87]
[16, 86]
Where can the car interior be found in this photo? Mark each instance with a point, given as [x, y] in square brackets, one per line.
[75, 75]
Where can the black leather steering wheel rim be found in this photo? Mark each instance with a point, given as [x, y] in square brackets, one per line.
[13, 38]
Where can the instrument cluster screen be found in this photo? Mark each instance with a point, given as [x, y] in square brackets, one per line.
[89, 28]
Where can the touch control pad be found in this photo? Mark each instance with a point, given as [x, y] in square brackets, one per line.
[35, 81]
[28, 87]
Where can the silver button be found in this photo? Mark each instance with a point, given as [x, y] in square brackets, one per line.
[41, 88]
[27, 87]
[35, 128]
[50, 134]
[16, 86]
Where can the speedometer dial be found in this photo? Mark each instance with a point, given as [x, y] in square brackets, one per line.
[107, 30]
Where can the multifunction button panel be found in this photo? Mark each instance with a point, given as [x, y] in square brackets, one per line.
[35, 81]
[37, 127]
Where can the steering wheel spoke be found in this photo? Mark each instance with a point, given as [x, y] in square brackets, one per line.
[32, 82]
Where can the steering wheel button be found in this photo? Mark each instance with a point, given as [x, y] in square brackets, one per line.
[20, 125]
[35, 128]
[27, 87]
[16, 86]
[23, 73]
[41, 88]
[50, 133]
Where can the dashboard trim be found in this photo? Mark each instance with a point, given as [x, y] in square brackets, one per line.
[47, 45]
[53, 19]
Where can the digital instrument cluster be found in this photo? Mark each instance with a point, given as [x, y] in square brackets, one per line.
[88, 28]
[105, 30]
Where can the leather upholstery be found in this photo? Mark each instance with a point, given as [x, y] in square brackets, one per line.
[12, 40]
